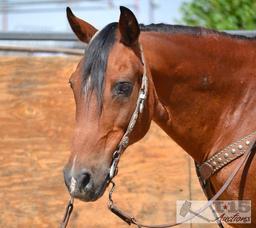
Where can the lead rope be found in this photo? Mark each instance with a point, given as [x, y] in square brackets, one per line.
[69, 209]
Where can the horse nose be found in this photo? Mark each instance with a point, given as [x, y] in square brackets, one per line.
[84, 181]
[78, 182]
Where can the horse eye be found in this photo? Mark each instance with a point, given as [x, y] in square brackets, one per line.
[123, 89]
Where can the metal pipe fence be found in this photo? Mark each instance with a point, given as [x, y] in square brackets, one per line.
[71, 37]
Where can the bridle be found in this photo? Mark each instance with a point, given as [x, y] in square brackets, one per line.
[124, 142]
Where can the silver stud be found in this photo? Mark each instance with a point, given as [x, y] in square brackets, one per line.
[240, 147]
[125, 141]
[233, 151]
[219, 159]
[214, 163]
[247, 142]
[225, 155]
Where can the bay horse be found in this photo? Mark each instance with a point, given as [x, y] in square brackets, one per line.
[200, 90]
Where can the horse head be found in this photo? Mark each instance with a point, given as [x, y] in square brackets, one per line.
[106, 86]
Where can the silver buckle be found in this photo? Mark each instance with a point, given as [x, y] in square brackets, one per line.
[113, 168]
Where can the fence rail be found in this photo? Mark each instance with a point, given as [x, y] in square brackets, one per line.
[51, 43]
[67, 51]
[71, 37]
[20, 36]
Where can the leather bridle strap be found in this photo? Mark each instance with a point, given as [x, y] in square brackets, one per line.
[124, 142]
[132, 220]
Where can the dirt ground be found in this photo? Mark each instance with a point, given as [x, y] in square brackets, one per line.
[36, 117]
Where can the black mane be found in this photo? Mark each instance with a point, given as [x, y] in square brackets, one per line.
[191, 30]
[96, 59]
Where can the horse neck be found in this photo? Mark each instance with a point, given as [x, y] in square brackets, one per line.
[205, 89]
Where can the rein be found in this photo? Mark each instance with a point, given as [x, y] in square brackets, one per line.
[124, 142]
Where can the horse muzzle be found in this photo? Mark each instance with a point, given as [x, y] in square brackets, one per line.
[81, 185]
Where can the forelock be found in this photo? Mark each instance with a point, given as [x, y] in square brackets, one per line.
[96, 60]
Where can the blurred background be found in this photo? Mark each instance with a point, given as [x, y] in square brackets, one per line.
[38, 53]
[49, 15]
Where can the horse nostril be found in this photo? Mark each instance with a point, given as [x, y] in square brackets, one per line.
[85, 180]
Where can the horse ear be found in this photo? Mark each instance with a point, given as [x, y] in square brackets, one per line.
[128, 26]
[83, 30]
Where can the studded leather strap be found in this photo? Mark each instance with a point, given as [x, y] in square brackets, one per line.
[225, 156]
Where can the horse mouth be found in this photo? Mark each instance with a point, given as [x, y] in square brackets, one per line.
[100, 191]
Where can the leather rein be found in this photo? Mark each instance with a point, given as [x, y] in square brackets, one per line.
[243, 147]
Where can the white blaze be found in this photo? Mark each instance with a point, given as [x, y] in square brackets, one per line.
[73, 180]
[72, 185]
